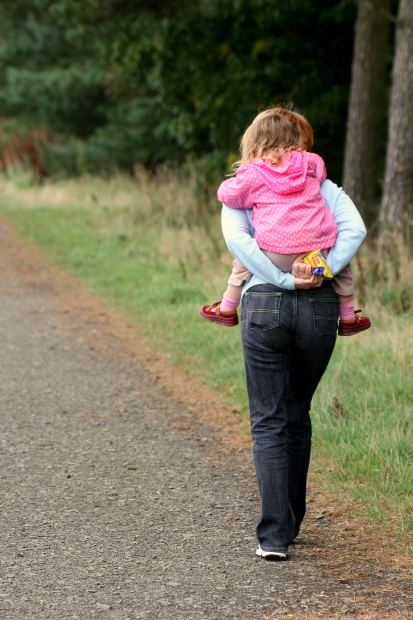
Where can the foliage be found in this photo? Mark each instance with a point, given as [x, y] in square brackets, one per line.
[166, 81]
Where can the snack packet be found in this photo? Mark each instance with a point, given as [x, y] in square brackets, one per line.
[318, 264]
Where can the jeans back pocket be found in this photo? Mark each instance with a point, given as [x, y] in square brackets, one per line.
[263, 310]
[325, 315]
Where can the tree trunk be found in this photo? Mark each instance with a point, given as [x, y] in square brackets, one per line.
[398, 181]
[364, 147]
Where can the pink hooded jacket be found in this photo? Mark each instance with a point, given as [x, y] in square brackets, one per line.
[288, 211]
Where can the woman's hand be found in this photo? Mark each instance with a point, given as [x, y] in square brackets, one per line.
[303, 276]
[300, 269]
[311, 282]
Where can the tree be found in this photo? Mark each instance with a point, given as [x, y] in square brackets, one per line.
[47, 78]
[398, 181]
[126, 81]
[366, 119]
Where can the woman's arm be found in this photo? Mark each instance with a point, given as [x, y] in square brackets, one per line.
[237, 231]
[350, 226]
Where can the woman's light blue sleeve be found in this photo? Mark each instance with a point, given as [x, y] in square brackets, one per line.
[237, 231]
[350, 226]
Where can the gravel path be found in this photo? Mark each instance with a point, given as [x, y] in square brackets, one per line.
[117, 504]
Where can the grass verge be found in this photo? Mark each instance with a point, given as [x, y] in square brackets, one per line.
[140, 244]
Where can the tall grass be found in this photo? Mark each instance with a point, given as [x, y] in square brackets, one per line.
[151, 249]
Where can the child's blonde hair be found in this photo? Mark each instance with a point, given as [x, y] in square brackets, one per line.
[274, 132]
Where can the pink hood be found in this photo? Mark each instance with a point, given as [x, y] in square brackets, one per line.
[289, 176]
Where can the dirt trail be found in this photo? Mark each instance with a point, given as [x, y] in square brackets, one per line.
[121, 501]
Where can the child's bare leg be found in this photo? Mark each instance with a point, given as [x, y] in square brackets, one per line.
[350, 323]
[232, 296]
[343, 285]
[230, 300]
[346, 307]
[225, 311]
[234, 292]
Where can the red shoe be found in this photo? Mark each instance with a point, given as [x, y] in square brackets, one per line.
[212, 313]
[349, 328]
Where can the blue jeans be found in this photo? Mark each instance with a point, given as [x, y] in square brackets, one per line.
[288, 338]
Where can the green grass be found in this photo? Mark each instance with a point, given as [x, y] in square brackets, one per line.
[149, 263]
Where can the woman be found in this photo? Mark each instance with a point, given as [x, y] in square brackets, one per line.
[288, 327]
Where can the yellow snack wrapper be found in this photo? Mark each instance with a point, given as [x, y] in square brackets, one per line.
[318, 264]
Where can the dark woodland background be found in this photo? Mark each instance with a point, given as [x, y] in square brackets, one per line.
[94, 86]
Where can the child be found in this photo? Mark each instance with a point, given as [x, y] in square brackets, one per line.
[279, 178]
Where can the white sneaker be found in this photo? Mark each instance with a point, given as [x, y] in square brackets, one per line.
[271, 555]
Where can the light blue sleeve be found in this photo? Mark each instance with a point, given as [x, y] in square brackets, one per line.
[237, 230]
[351, 228]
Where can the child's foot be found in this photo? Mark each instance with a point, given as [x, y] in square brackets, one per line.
[213, 313]
[352, 327]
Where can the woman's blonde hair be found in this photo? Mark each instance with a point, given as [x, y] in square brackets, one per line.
[274, 132]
